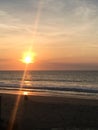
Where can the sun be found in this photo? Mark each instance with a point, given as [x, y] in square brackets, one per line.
[27, 60]
[28, 57]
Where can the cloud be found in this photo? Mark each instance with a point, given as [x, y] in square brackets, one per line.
[62, 21]
[5, 60]
[53, 65]
[12, 26]
[24, 10]
[59, 18]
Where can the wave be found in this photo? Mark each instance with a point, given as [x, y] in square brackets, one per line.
[56, 89]
[49, 80]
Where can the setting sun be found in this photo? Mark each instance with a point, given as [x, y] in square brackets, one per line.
[28, 57]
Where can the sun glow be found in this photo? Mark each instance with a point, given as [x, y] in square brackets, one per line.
[28, 57]
[25, 93]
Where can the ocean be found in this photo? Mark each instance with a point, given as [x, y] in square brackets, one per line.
[57, 83]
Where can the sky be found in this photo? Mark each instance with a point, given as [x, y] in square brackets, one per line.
[62, 33]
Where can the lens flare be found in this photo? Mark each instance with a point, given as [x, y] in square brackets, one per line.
[26, 59]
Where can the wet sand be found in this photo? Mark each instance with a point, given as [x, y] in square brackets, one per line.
[50, 112]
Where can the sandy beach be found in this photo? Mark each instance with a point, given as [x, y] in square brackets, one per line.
[47, 112]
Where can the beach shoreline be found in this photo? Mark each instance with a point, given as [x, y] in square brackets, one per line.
[50, 111]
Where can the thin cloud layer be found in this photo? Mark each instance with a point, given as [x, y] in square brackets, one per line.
[69, 27]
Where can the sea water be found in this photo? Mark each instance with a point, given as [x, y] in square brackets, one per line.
[52, 82]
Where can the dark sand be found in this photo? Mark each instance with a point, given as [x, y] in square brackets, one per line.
[50, 112]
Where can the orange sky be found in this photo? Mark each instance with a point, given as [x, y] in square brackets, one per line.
[63, 34]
